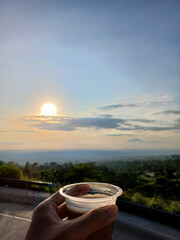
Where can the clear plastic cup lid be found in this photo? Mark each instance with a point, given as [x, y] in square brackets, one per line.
[90, 192]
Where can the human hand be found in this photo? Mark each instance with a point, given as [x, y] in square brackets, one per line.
[50, 222]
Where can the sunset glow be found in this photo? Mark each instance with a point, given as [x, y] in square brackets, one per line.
[103, 75]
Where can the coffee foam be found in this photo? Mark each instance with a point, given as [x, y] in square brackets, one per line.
[92, 196]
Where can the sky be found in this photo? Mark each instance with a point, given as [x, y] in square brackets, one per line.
[111, 68]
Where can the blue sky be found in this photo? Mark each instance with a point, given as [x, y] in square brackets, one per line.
[110, 67]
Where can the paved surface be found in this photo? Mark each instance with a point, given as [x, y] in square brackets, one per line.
[16, 207]
[12, 228]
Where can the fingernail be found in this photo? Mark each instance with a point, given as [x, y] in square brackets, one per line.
[111, 210]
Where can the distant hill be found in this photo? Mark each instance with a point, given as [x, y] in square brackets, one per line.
[61, 156]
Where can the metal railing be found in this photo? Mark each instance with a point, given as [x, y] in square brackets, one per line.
[10, 182]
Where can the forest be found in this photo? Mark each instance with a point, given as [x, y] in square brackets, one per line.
[154, 183]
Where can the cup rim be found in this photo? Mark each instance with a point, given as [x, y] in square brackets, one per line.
[87, 200]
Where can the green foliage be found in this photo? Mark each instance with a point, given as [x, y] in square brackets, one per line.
[1, 163]
[31, 171]
[127, 179]
[11, 171]
[148, 189]
[69, 173]
[173, 206]
[139, 198]
[154, 202]
[154, 183]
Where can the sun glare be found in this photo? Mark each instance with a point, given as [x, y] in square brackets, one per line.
[48, 109]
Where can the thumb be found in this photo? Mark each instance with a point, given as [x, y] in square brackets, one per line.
[94, 220]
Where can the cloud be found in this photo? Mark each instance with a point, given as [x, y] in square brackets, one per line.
[114, 106]
[72, 124]
[10, 143]
[177, 120]
[134, 140]
[175, 112]
[164, 98]
[18, 131]
[142, 120]
[106, 115]
[168, 127]
[63, 123]
[160, 99]
[117, 135]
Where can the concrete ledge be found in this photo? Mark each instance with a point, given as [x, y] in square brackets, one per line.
[131, 231]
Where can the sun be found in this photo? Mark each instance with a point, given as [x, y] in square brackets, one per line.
[48, 109]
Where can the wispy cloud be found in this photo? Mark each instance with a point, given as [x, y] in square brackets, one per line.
[142, 120]
[167, 127]
[106, 115]
[115, 106]
[18, 131]
[117, 135]
[135, 140]
[175, 112]
[160, 99]
[10, 143]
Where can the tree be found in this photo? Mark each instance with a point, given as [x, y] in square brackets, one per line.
[11, 171]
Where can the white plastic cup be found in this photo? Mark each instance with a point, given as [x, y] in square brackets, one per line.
[83, 197]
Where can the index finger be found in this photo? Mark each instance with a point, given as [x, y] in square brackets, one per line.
[56, 198]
